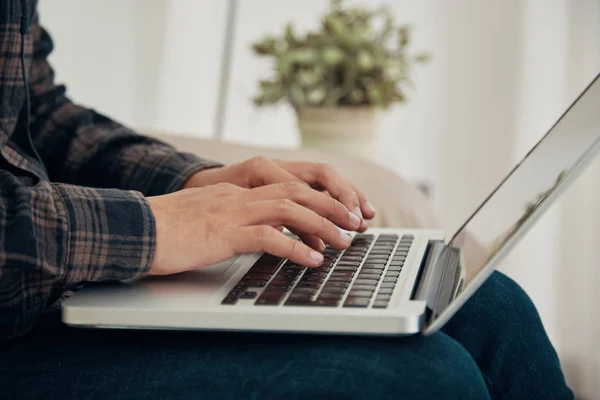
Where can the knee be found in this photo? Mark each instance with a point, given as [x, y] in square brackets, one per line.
[503, 298]
[435, 367]
[448, 369]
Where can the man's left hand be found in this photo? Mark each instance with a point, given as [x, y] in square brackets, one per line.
[261, 171]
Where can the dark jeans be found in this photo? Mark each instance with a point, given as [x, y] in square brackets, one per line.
[495, 347]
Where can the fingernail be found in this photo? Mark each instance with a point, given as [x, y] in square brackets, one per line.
[358, 213]
[345, 237]
[354, 219]
[370, 207]
[316, 257]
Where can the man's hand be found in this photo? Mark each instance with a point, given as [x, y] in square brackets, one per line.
[261, 171]
[204, 226]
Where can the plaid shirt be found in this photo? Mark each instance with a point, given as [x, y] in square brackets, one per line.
[82, 215]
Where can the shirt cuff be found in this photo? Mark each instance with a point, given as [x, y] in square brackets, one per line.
[163, 172]
[111, 234]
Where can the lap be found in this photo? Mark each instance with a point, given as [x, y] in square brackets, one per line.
[56, 361]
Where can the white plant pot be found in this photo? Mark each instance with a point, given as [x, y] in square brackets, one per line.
[349, 130]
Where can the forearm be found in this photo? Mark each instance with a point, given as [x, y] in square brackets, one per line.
[55, 237]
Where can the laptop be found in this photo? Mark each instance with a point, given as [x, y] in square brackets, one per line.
[389, 282]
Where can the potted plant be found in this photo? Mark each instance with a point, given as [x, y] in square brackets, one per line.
[339, 77]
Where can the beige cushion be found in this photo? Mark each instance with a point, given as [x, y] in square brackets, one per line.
[398, 202]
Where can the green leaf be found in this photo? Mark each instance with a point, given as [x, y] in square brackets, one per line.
[266, 46]
[304, 56]
[284, 64]
[308, 77]
[290, 37]
[365, 61]
[296, 95]
[332, 55]
[356, 96]
[403, 35]
[333, 97]
[315, 96]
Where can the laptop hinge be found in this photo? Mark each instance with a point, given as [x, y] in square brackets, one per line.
[441, 277]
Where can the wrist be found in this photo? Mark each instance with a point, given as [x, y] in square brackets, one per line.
[201, 178]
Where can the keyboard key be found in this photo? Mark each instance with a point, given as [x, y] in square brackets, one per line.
[357, 302]
[307, 291]
[365, 282]
[390, 279]
[341, 274]
[266, 263]
[385, 291]
[380, 304]
[395, 267]
[303, 302]
[325, 303]
[361, 293]
[248, 295]
[346, 269]
[336, 284]
[331, 296]
[269, 300]
[279, 287]
[389, 285]
[310, 285]
[256, 276]
[350, 258]
[373, 265]
[377, 271]
[254, 283]
[347, 264]
[363, 287]
[392, 273]
[230, 300]
[317, 279]
[300, 297]
[355, 253]
[377, 257]
[329, 289]
[383, 297]
[369, 276]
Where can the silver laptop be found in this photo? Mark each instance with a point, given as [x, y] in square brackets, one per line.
[389, 282]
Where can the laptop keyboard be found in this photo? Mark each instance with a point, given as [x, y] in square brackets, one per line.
[364, 275]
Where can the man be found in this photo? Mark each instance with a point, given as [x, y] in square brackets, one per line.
[103, 203]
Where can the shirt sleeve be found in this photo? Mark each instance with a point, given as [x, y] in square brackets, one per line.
[56, 236]
[81, 146]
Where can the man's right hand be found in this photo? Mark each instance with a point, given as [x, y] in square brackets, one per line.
[204, 226]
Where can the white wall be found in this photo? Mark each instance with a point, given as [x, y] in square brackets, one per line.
[501, 73]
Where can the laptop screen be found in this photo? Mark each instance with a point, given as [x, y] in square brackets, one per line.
[527, 191]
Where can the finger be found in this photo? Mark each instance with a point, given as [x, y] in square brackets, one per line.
[323, 176]
[310, 240]
[294, 216]
[318, 202]
[268, 239]
[267, 172]
[363, 227]
[367, 208]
